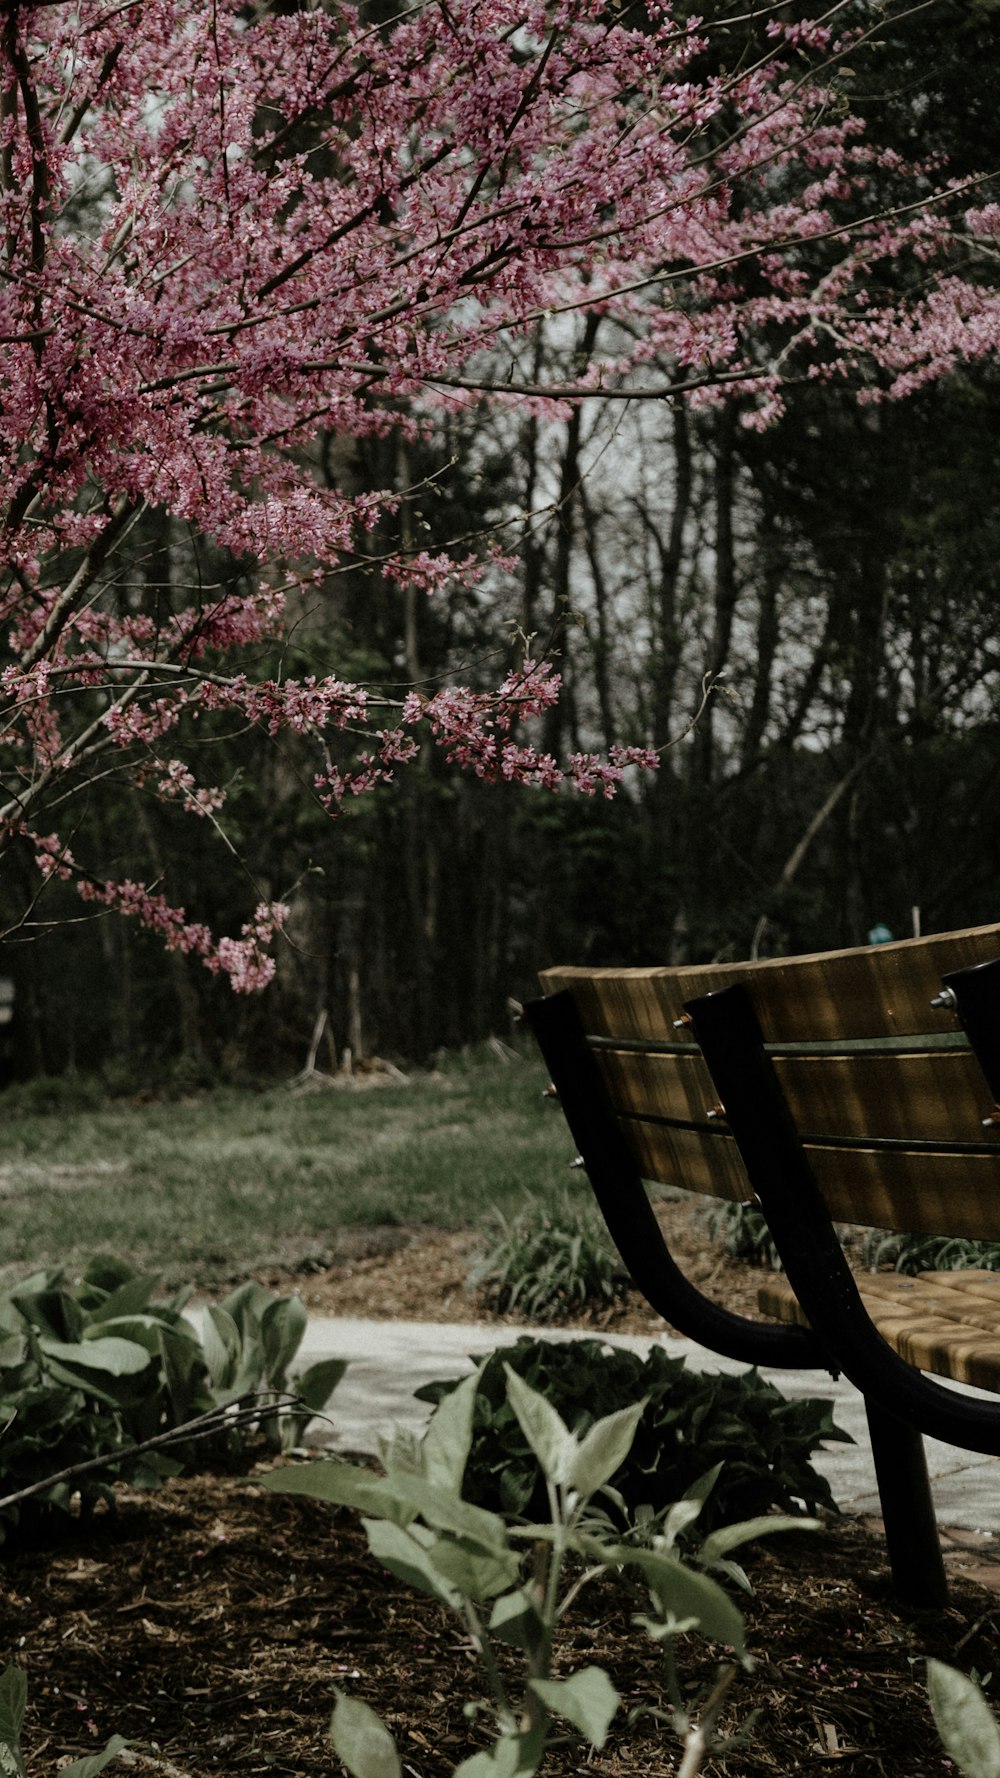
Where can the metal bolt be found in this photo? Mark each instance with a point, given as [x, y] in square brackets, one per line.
[946, 1001]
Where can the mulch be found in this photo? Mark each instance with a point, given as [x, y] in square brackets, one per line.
[409, 1272]
[211, 1622]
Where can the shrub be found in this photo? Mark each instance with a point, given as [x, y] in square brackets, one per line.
[90, 1371]
[48, 1094]
[689, 1422]
[547, 1263]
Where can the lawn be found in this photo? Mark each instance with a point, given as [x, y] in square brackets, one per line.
[209, 1187]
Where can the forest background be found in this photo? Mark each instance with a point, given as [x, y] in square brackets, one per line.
[807, 610]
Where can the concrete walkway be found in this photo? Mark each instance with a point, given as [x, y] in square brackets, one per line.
[388, 1360]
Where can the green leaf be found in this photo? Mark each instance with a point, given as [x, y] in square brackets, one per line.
[681, 1592]
[964, 1721]
[282, 1327]
[335, 1481]
[604, 1449]
[410, 1560]
[545, 1429]
[183, 1373]
[142, 1330]
[729, 1537]
[515, 1619]
[247, 1305]
[316, 1385]
[700, 1490]
[446, 1443]
[362, 1741]
[13, 1701]
[131, 1296]
[587, 1698]
[680, 1517]
[222, 1346]
[116, 1357]
[478, 1573]
[445, 1509]
[92, 1763]
[512, 1756]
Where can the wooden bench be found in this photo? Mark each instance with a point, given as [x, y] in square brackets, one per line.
[846, 1087]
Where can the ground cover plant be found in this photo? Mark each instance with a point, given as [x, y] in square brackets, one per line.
[688, 1423]
[99, 1381]
[912, 1254]
[548, 1261]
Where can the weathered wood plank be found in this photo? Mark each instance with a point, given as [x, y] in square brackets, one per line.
[937, 1096]
[872, 991]
[929, 1341]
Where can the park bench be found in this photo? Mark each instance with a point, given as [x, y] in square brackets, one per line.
[849, 1087]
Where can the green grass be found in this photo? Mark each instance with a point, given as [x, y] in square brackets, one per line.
[204, 1190]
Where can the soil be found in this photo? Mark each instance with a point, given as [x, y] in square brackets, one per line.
[211, 1622]
[419, 1274]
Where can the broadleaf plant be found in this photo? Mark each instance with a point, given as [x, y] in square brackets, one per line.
[686, 1423]
[512, 1583]
[90, 1371]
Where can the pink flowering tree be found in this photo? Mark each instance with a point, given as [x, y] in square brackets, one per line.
[230, 231]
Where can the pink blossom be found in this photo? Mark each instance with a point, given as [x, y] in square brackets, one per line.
[230, 302]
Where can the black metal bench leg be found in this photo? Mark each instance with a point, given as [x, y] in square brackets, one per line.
[904, 1487]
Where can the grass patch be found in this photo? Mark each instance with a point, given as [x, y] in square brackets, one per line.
[212, 1187]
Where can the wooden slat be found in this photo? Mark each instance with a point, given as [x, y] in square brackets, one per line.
[778, 1301]
[645, 1085]
[926, 1194]
[925, 1338]
[974, 1305]
[872, 991]
[935, 1097]
[697, 1162]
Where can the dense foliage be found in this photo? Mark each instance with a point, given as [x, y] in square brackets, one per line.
[91, 1372]
[688, 1424]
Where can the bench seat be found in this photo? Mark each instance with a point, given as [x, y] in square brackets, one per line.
[947, 1323]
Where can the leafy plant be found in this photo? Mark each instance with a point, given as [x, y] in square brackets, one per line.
[13, 1702]
[913, 1254]
[89, 1372]
[687, 1423]
[512, 1584]
[549, 1261]
[744, 1234]
[964, 1721]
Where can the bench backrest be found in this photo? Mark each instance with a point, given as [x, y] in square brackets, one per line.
[884, 1089]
